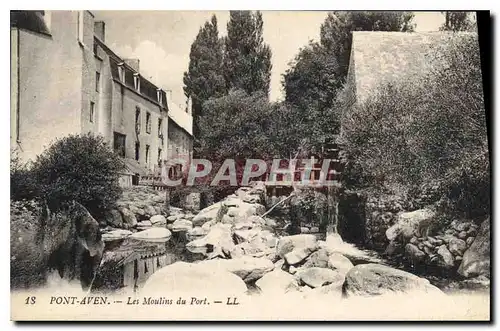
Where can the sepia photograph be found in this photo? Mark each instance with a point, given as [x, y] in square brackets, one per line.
[250, 165]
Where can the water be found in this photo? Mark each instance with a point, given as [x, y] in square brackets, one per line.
[128, 263]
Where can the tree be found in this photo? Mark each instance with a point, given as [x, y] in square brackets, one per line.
[82, 168]
[204, 78]
[336, 36]
[247, 60]
[457, 21]
[319, 70]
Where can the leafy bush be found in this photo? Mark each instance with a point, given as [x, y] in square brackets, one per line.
[81, 168]
[428, 128]
[23, 185]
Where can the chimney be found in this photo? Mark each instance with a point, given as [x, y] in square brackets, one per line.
[100, 30]
[168, 93]
[133, 63]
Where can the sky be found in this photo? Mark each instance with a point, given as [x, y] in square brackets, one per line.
[161, 40]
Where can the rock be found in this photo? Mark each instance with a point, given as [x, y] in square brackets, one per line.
[304, 230]
[339, 263]
[277, 282]
[270, 222]
[114, 218]
[182, 225]
[241, 236]
[243, 226]
[206, 214]
[172, 218]
[469, 241]
[116, 234]
[152, 234]
[317, 259]
[414, 241]
[290, 243]
[187, 278]
[476, 259]
[297, 255]
[218, 240]
[462, 226]
[158, 219]
[434, 241]
[414, 254]
[462, 235]
[196, 232]
[457, 246]
[248, 268]
[376, 279]
[149, 210]
[232, 211]
[448, 258]
[293, 270]
[407, 223]
[129, 219]
[144, 224]
[316, 277]
[472, 232]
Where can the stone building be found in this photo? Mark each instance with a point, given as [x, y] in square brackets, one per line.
[66, 80]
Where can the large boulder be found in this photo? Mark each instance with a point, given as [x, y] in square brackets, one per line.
[218, 241]
[153, 234]
[408, 223]
[414, 254]
[277, 282]
[448, 261]
[116, 234]
[307, 242]
[376, 279]
[317, 277]
[187, 278]
[182, 226]
[317, 259]
[340, 263]
[114, 218]
[457, 246]
[158, 219]
[248, 268]
[206, 214]
[476, 260]
[129, 219]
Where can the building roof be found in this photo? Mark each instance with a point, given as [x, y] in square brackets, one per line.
[378, 57]
[182, 118]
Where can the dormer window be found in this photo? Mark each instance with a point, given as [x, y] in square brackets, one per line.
[137, 82]
[121, 72]
[159, 96]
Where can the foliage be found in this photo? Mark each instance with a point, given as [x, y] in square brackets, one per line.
[336, 37]
[204, 78]
[457, 21]
[428, 128]
[247, 59]
[318, 72]
[81, 168]
[23, 185]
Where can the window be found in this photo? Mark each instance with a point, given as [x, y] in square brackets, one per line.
[148, 122]
[147, 154]
[137, 151]
[160, 128]
[159, 156]
[137, 119]
[159, 96]
[145, 267]
[137, 82]
[119, 143]
[97, 80]
[92, 110]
